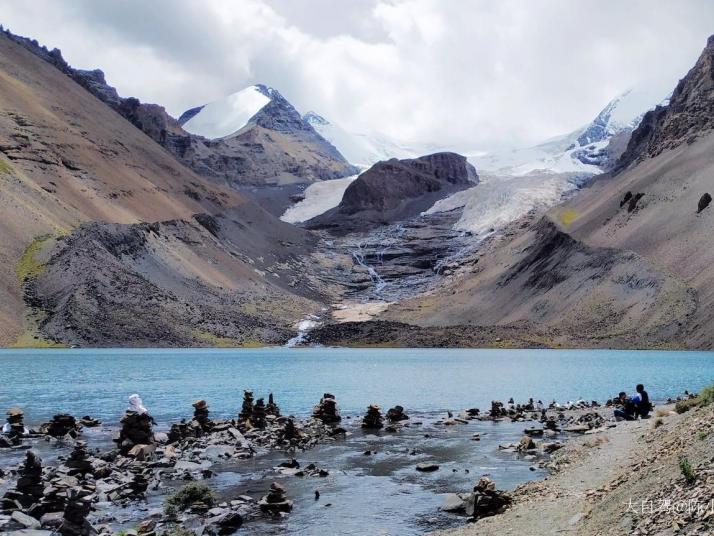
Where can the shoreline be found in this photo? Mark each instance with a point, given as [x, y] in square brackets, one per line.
[623, 480]
[185, 455]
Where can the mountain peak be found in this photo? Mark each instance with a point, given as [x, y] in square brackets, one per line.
[688, 114]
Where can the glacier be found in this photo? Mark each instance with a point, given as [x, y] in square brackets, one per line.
[227, 116]
[319, 198]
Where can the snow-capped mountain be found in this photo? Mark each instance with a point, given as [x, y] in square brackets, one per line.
[256, 137]
[364, 149]
[588, 150]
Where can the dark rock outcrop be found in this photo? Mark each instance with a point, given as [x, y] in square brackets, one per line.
[395, 190]
[704, 202]
[689, 114]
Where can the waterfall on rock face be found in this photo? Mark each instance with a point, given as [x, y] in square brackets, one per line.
[379, 283]
[304, 326]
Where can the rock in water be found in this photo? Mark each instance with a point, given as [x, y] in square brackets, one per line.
[89, 422]
[61, 425]
[275, 502]
[327, 410]
[486, 500]
[526, 443]
[427, 467]
[396, 414]
[373, 419]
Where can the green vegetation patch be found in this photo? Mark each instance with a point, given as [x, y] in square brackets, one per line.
[687, 470]
[28, 265]
[5, 167]
[682, 406]
[188, 495]
[32, 339]
[706, 396]
[216, 341]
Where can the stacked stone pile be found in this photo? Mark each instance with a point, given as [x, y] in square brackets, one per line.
[136, 429]
[326, 410]
[373, 419]
[275, 501]
[247, 408]
[272, 408]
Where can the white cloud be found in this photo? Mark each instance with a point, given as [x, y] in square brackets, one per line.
[476, 74]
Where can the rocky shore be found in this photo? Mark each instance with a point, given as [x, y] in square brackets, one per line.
[80, 492]
[645, 477]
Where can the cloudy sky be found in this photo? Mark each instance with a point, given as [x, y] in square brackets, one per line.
[467, 73]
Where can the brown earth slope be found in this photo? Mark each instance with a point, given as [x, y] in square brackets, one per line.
[276, 147]
[66, 158]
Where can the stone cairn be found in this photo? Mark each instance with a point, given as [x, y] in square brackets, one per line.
[61, 426]
[200, 415]
[135, 430]
[275, 501]
[486, 500]
[79, 505]
[497, 410]
[290, 431]
[272, 408]
[326, 410]
[373, 419]
[247, 408]
[29, 487]
[396, 414]
[16, 422]
[257, 417]
[78, 461]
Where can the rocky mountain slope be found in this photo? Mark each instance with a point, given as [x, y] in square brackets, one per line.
[625, 262]
[275, 147]
[395, 190]
[106, 238]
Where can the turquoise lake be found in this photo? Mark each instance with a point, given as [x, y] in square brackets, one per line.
[381, 493]
[97, 382]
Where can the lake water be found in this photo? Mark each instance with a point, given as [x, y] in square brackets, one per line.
[364, 495]
[97, 382]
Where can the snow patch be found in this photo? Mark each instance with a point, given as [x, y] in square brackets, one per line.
[319, 198]
[226, 116]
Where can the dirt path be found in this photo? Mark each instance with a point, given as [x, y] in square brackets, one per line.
[597, 475]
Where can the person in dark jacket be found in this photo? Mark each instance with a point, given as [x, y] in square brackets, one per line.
[643, 405]
[627, 410]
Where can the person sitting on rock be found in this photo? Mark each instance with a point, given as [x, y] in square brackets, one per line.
[627, 408]
[643, 405]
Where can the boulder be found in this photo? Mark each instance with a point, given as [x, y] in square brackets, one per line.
[427, 467]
